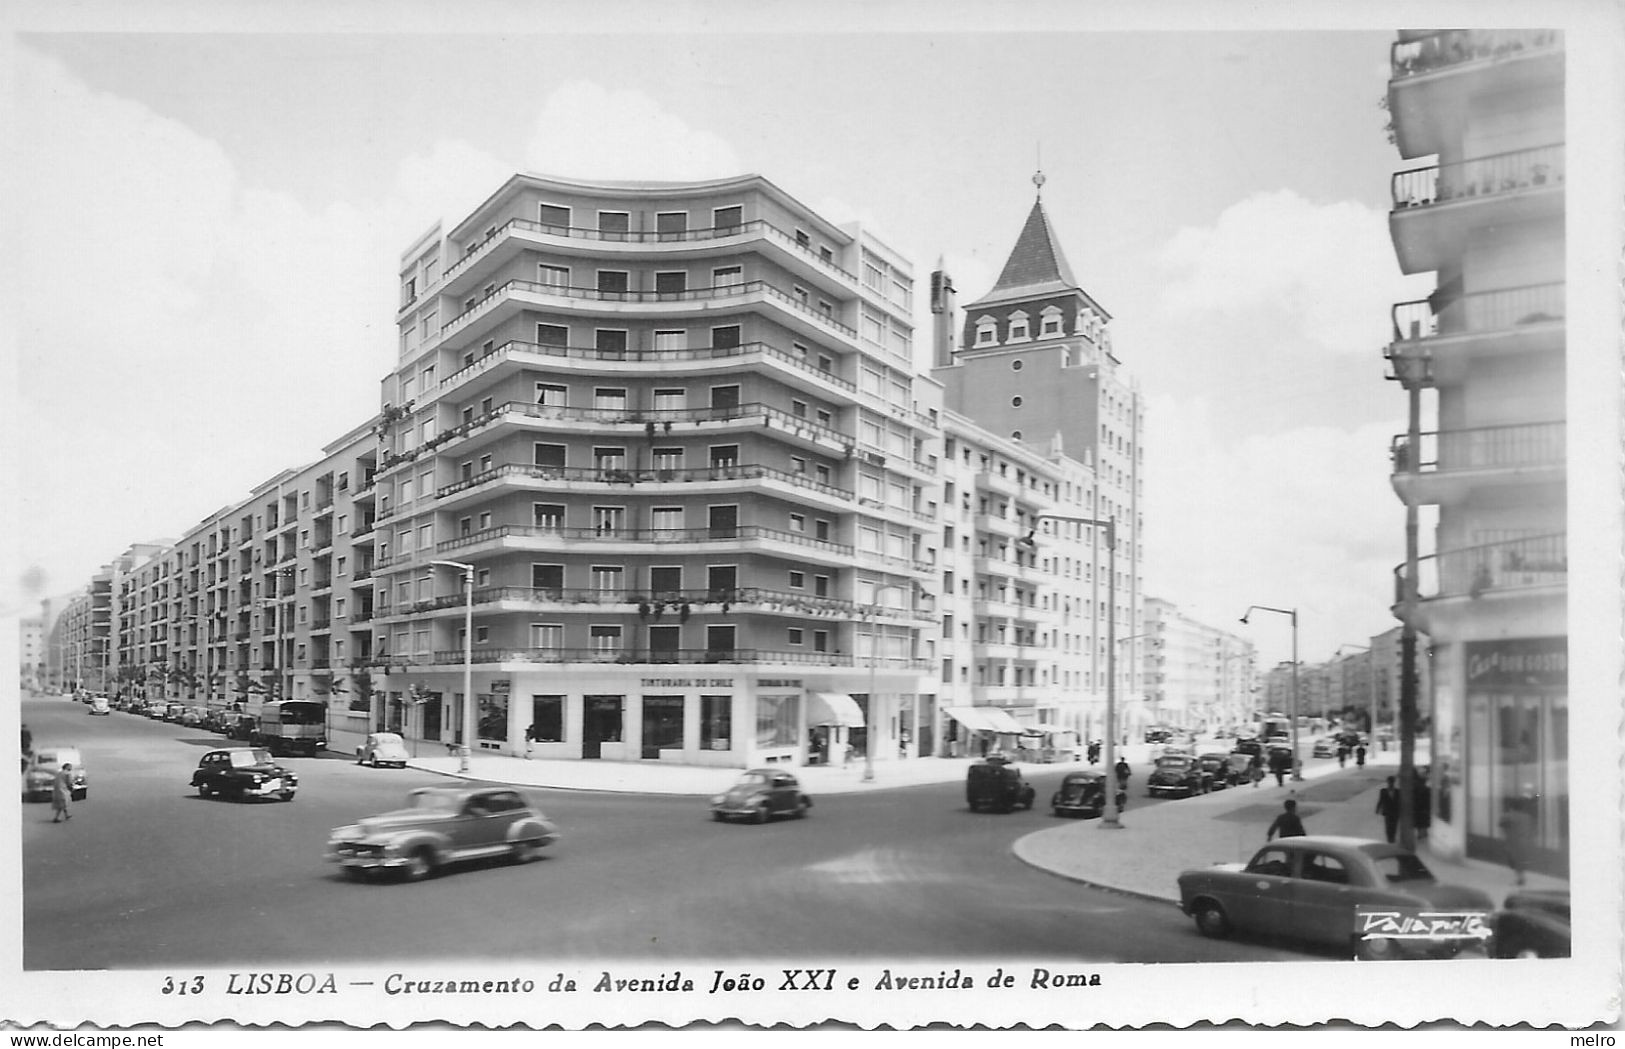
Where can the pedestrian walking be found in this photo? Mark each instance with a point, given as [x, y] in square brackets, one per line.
[1287, 824]
[1280, 765]
[1122, 801]
[1359, 756]
[1123, 773]
[530, 739]
[1342, 755]
[1255, 771]
[28, 740]
[62, 793]
[1388, 809]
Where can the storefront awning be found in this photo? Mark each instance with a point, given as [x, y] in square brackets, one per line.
[1001, 721]
[834, 708]
[972, 718]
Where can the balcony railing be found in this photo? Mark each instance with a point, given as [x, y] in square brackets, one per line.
[645, 237]
[1454, 47]
[454, 657]
[1478, 311]
[660, 418]
[691, 295]
[1483, 448]
[656, 606]
[1480, 177]
[1534, 561]
[641, 535]
[736, 472]
[656, 356]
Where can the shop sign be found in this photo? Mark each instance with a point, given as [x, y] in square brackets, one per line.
[686, 682]
[1538, 662]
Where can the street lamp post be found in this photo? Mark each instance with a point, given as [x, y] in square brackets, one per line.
[1292, 705]
[1113, 814]
[469, 724]
[872, 732]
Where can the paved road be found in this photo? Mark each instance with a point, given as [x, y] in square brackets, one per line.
[148, 874]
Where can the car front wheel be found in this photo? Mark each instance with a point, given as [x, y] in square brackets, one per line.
[760, 815]
[1211, 921]
[286, 795]
[419, 865]
[203, 790]
[525, 851]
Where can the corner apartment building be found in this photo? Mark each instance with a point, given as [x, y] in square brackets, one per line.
[265, 598]
[1485, 354]
[671, 432]
[1197, 677]
[1046, 433]
[31, 669]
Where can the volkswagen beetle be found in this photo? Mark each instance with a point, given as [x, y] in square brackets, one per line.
[761, 794]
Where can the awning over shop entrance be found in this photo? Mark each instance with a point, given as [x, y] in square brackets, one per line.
[834, 708]
[984, 719]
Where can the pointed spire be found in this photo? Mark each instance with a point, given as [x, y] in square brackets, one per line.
[1036, 264]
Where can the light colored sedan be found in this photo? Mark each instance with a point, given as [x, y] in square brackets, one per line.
[1366, 895]
[383, 748]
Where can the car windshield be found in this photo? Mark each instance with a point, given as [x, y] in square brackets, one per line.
[752, 779]
[1172, 763]
[434, 801]
[244, 758]
[1401, 867]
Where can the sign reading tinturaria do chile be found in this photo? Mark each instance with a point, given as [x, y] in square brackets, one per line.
[1527, 662]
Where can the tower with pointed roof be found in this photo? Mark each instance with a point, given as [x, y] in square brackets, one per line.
[1034, 364]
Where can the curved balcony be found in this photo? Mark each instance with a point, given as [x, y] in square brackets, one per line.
[653, 482]
[648, 540]
[515, 355]
[647, 423]
[1451, 464]
[515, 294]
[1436, 208]
[1534, 566]
[516, 235]
[1436, 76]
[453, 659]
[1452, 48]
[667, 606]
[1455, 329]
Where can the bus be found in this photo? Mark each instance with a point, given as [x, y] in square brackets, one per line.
[291, 726]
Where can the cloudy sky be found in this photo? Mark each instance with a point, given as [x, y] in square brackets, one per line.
[206, 227]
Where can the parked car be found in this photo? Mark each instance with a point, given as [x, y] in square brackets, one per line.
[1216, 763]
[192, 717]
[1308, 888]
[240, 726]
[761, 794]
[1532, 923]
[244, 772]
[1179, 775]
[1326, 747]
[1080, 794]
[215, 719]
[1248, 745]
[1158, 735]
[99, 705]
[46, 763]
[998, 785]
[173, 711]
[440, 826]
[383, 748]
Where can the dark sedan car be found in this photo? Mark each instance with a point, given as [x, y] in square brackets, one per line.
[1368, 896]
[761, 794]
[1081, 794]
[1218, 768]
[1533, 923]
[998, 785]
[1179, 775]
[244, 772]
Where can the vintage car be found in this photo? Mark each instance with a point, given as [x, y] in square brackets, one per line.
[240, 726]
[173, 711]
[1309, 888]
[1325, 747]
[1080, 794]
[1248, 745]
[1178, 775]
[382, 748]
[46, 762]
[215, 719]
[998, 785]
[244, 772]
[761, 794]
[440, 826]
[1216, 763]
[192, 717]
[1532, 923]
[99, 705]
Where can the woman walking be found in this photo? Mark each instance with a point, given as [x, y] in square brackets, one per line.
[62, 793]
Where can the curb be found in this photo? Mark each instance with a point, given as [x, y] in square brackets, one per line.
[1017, 851]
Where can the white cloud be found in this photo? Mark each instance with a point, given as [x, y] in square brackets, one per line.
[588, 131]
[1302, 518]
[1307, 267]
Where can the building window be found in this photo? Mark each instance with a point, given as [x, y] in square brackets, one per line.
[798, 523]
[794, 636]
[614, 225]
[798, 580]
[987, 331]
[605, 640]
[552, 394]
[552, 335]
[609, 398]
[1015, 402]
[727, 276]
[671, 283]
[728, 218]
[676, 339]
[553, 276]
[547, 719]
[716, 722]
[671, 225]
[613, 283]
[547, 635]
[553, 216]
[1018, 327]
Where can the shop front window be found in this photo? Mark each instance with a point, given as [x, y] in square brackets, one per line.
[776, 721]
[547, 719]
[493, 716]
[716, 722]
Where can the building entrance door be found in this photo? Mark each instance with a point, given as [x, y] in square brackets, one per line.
[431, 717]
[600, 724]
[662, 724]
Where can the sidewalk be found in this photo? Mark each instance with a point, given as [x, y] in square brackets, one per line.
[1155, 844]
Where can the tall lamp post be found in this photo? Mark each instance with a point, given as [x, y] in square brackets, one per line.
[1292, 711]
[1113, 817]
[469, 724]
[872, 732]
